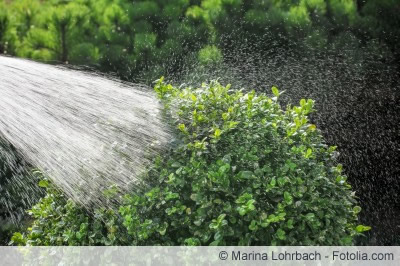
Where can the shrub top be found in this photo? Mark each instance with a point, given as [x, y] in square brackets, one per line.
[246, 173]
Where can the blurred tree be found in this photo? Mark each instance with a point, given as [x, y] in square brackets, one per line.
[381, 20]
[63, 33]
[143, 39]
[8, 34]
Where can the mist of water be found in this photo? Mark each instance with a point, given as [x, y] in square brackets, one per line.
[357, 95]
[83, 131]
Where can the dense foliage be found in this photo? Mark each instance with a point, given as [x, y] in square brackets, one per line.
[141, 40]
[242, 172]
[59, 221]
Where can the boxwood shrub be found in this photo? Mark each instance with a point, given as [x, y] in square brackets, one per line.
[242, 171]
[58, 221]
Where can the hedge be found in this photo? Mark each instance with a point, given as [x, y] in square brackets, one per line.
[242, 171]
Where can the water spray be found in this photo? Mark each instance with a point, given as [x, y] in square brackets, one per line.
[83, 131]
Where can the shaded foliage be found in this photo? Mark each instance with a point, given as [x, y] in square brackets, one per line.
[59, 221]
[18, 191]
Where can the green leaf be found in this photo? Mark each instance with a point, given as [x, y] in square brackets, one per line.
[242, 211]
[308, 153]
[290, 223]
[253, 225]
[288, 198]
[281, 234]
[218, 236]
[217, 133]
[215, 243]
[357, 209]
[182, 127]
[246, 174]
[310, 216]
[281, 181]
[198, 222]
[44, 183]
[264, 224]
[362, 228]
[275, 91]
[176, 165]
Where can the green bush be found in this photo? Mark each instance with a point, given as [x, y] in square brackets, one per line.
[243, 172]
[246, 173]
[58, 221]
